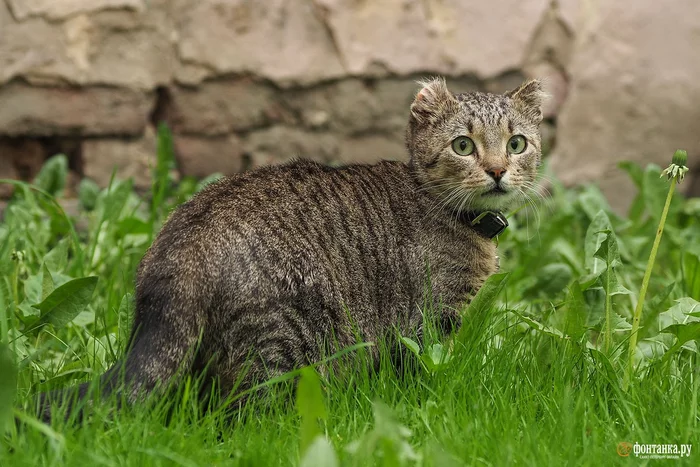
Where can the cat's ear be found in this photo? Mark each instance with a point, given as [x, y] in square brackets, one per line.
[433, 99]
[528, 98]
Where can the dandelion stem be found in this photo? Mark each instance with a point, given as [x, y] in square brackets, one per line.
[608, 315]
[645, 285]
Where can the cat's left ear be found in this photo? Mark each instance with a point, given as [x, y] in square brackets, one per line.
[432, 100]
[528, 98]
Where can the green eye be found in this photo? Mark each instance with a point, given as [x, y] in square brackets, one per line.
[463, 146]
[517, 144]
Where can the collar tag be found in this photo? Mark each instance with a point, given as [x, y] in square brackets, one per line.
[489, 224]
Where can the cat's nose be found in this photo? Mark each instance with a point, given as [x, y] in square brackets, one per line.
[496, 172]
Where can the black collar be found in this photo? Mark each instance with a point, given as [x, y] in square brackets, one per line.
[489, 224]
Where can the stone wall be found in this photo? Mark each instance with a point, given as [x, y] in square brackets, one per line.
[244, 83]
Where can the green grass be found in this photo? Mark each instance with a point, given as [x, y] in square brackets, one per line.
[533, 378]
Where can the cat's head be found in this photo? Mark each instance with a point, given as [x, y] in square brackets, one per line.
[476, 151]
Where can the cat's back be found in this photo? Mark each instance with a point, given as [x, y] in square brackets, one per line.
[301, 189]
[281, 230]
[299, 207]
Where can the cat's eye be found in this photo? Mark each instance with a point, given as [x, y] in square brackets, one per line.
[463, 145]
[517, 144]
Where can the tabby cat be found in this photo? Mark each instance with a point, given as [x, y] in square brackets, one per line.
[261, 269]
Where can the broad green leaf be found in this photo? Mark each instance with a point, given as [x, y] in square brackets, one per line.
[681, 313]
[654, 305]
[487, 295]
[595, 302]
[388, 436]
[618, 323]
[60, 279]
[547, 330]
[595, 235]
[436, 357]
[57, 259]
[27, 313]
[30, 205]
[88, 193]
[33, 286]
[608, 250]
[655, 347]
[550, 280]
[84, 318]
[52, 176]
[392, 436]
[98, 349]
[310, 406]
[589, 280]
[132, 225]
[64, 303]
[569, 254]
[114, 200]
[592, 201]
[47, 284]
[475, 319]
[22, 348]
[412, 345]
[691, 274]
[8, 386]
[575, 312]
[611, 285]
[125, 315]
[684, 332]
[320, 453]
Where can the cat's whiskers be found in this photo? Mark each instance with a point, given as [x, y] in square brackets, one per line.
[535, 189]
[440, 186]
[437, 181]
[525, 189]
[437, 185]
[443, 200]
[530, 201]
[455, 208]
[456, 199]
[466, 199]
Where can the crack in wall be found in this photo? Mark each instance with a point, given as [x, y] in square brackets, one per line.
[8, 5]
[323, 15]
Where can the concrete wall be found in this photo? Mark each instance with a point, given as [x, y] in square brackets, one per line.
[247, 82]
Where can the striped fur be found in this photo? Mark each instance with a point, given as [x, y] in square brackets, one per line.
[275, 266]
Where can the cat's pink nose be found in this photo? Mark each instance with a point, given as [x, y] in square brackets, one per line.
[496, 172]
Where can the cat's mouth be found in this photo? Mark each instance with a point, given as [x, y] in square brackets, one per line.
[498, 190]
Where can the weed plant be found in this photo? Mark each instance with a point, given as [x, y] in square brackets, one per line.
[535, 376]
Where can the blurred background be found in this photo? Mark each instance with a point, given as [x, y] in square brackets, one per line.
[243, 83]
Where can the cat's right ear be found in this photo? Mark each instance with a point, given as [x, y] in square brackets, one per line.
[432, 100]
[529, 97]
